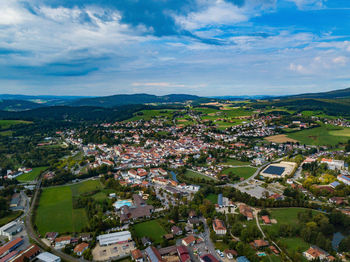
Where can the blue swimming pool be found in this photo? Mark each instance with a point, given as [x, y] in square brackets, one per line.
[118, 204]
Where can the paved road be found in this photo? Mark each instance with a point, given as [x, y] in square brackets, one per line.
[209, 244]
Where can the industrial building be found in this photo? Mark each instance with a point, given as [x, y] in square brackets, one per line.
[48, 257]
[114, 238]
[11, 229]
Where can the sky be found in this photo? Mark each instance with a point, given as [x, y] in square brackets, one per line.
[201, 47]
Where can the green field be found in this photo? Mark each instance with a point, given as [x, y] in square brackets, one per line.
[284, 216]
[213, 198]
[287, 216]
[5, 124]
[323, 135]
[86, 187]
[55, 211]
[10, 217]
[31, 175]
[234, 162]
[151, 229]
[192, 174]
[243, 171]
[149, 114]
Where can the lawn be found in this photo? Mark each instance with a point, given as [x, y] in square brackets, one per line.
[100, 196]
[323, 135]
[192, 174]
[10, 217]
[243, 171]
[31, 175]
[234, 162]
[151, 229]
[213, 198]
[55, 211]
[285, 216]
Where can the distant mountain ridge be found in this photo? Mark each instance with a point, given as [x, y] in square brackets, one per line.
[339, 93]
[119, 100]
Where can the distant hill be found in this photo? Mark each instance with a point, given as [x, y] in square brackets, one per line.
[335, 94]
[18, 105]
[119, 100]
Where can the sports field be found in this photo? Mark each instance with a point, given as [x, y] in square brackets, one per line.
[323, 135]
[234, 162]
[151, 229]
[55, 211]
[243, 171]
[31, 175]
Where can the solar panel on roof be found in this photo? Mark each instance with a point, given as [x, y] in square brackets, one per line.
[275, 170]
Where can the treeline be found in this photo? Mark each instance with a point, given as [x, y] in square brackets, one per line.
[335, 107]
[83, 113]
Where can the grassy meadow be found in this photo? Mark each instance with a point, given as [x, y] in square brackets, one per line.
[56, 212]
[31, 176]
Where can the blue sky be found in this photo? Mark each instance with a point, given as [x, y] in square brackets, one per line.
[203, 47]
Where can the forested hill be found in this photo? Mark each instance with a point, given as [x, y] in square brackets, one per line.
[119, 100]
[82, 113]
[335, 94]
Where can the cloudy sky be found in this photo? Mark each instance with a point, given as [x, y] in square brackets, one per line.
[203, 47]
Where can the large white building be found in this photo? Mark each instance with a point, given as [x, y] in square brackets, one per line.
[333, 164]
[48, 257]
[11, 229]
[114, 238]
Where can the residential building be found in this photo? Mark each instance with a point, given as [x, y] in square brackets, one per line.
[137, 255]
[189, 240]
[61, 242]
[219, 227]
[80, 248]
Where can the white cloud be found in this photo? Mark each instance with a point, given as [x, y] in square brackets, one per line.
[217, 13]
[341, 60]
[298, 68]
[303, 4]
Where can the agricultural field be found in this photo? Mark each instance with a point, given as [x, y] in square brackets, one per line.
[31, 176]
[323, 135]
[149, 114]
[55, 211]
[192, 174]
[151, 229]
[280, 139]
[243, 171]
[6, 124]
